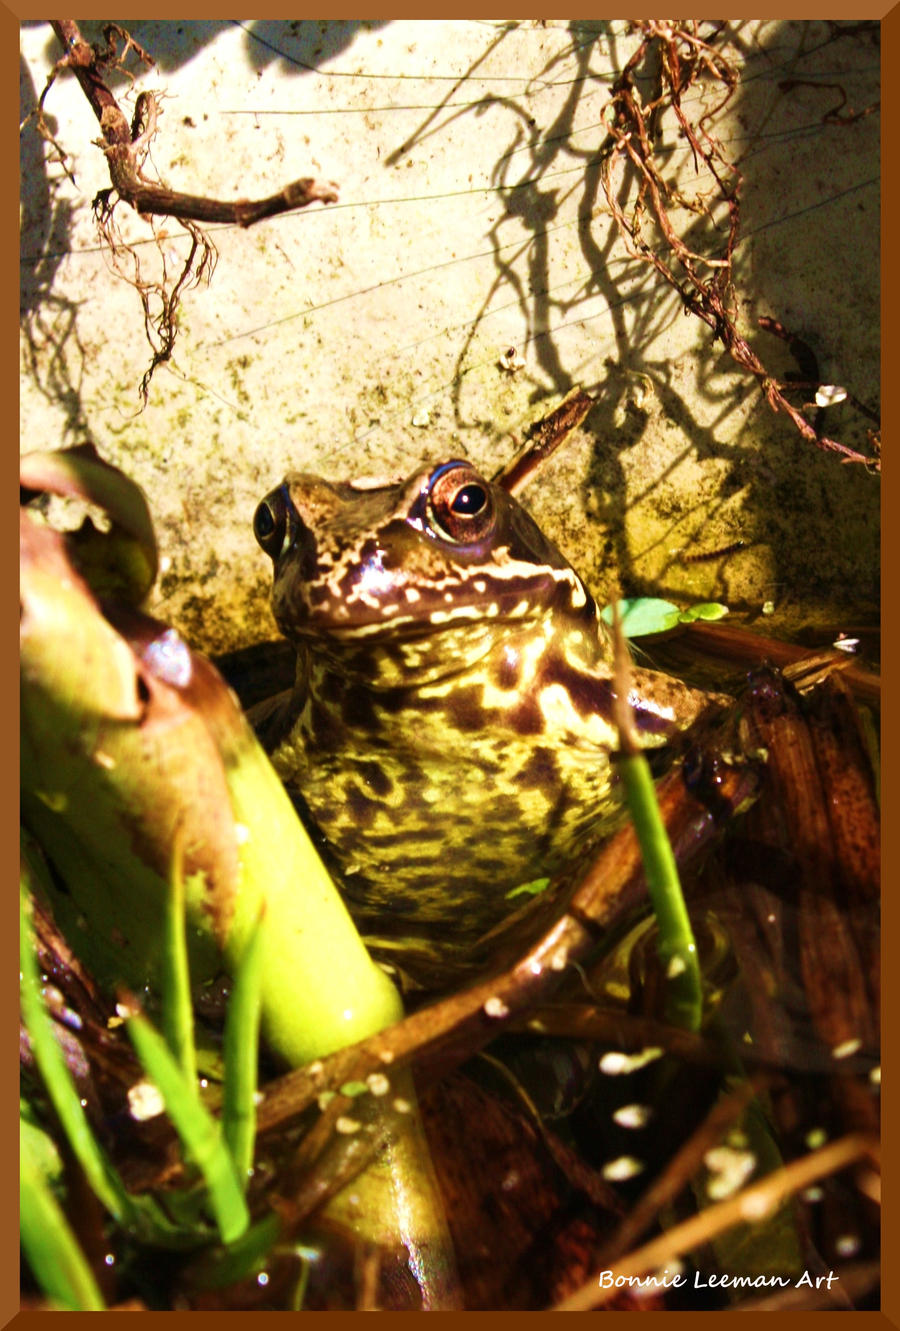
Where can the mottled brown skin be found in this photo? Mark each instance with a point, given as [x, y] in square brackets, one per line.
[449, 729]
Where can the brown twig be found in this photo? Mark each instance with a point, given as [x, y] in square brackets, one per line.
[126, 147]
[679, 1171]
[122, 146]
[544, 438]
[751, 1204]
[703, 282]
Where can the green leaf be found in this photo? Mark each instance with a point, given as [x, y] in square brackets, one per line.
[643, 614]
[178, 1010]
[220, 1266]
[37, 1148]
[706, 610]
[353, 1088]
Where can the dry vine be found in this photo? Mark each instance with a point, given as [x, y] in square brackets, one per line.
[126, 148]
[705, 285]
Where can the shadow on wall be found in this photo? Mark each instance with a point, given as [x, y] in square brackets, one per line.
[817, 519]
[301, 45]
[48, 320]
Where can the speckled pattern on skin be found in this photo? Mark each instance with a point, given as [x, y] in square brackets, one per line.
[449, 729]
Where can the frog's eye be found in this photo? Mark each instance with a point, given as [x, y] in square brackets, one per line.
[459, 504]
[270, 523]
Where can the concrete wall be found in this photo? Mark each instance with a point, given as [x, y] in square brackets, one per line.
[365, 337]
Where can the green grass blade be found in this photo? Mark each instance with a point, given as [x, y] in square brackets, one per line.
[140, 1216]
[178, 1010]
[53, 1253]
[61, 1089]
[200, 1133]
[241, 1055]
[677, 948]
[224, 1265]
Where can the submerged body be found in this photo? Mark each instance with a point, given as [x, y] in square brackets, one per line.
[450, 727]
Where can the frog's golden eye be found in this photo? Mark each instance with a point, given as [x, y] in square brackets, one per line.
[460, 506]
[271, 525]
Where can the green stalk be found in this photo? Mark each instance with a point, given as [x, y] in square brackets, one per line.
[48, 1056]
[320, 989]
[397, 1197]
[177, 1007]
[241, 1049]
[200, 1133]
[52, 1250]
[676, 946]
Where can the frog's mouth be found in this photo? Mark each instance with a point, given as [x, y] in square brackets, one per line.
[381, 602]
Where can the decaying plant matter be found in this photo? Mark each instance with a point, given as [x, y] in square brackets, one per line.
[128, 738]
[126, 147]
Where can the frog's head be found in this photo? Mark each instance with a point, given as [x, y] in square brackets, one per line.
[443, 552]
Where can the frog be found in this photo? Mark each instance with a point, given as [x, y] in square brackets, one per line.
[449, 734]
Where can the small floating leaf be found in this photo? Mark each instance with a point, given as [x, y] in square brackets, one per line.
[706, 610]
[643, 614]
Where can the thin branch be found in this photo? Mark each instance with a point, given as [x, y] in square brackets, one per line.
[703, 282]
[544, 438]
[751, 1204]
[122, 148]
[126, 147]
